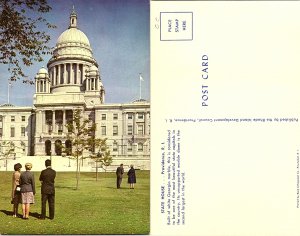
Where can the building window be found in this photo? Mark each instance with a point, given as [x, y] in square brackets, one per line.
[48, 147]
[12, 132]
[59, 117]
[58, 147]
[49, 129]
[1, 132]
[115, 130]
[129, 116]
[129, 147]
[129, 131]
[140, 129]
[23, 118]
[12, 118]
[115, 116]
[23, 131]
[115, 146]
[1, 118]
[103, 117]
[103, 130]
[140, 115]
[60, 128]
[49, 117]
[140, 147]
[69, 116]
[68, 145]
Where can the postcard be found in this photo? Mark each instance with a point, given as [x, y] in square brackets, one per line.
[75, 117]
[225, 133]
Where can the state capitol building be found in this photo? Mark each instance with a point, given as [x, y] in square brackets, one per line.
[72, 81]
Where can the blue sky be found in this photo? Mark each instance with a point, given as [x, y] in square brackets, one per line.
[118, 31]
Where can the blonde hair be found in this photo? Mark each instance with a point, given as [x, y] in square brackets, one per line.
[28, 166]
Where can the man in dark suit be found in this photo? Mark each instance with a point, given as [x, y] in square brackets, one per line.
[119, 173]
[48, 190]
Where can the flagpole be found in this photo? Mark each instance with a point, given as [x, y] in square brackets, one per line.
[140, 87]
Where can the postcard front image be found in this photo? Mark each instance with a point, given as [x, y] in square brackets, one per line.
[75, 117]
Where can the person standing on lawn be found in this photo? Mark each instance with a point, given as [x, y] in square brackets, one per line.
[27, 184]
[119, 173]
[131, 177]
[16, 189]
[47, 178]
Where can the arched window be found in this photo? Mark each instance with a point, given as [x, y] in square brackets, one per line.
[58, 147]
[48, 147]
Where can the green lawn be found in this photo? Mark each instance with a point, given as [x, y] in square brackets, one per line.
[98, 207]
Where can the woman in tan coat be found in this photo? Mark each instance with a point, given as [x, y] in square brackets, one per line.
[16, 190]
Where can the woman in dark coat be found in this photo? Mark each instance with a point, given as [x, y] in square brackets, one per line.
[27, 190]
[131, 177]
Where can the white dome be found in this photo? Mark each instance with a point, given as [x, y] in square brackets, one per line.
[93, 71]
[73, 35]
[93, 68]
[43, 71]
[72, 44]
[42, 74]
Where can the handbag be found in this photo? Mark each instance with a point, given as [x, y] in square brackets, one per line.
[18, 189]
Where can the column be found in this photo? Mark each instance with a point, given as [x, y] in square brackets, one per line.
[59, 74]
[122, 134]
[54, 77]
[64, 121]
[39, 122]
[41, 86]
[48, 86]
[83, 73]
[145, 123]
[71, 74]
[97, 84]
[44, 126]
[133, 123]
[76, 73]
[65, 73]
[53, 122]
[50, 74]
[53, 148]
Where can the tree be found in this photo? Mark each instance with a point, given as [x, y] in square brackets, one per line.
[21, 41]
[7, 150]
[101, 154]
[81, 133]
